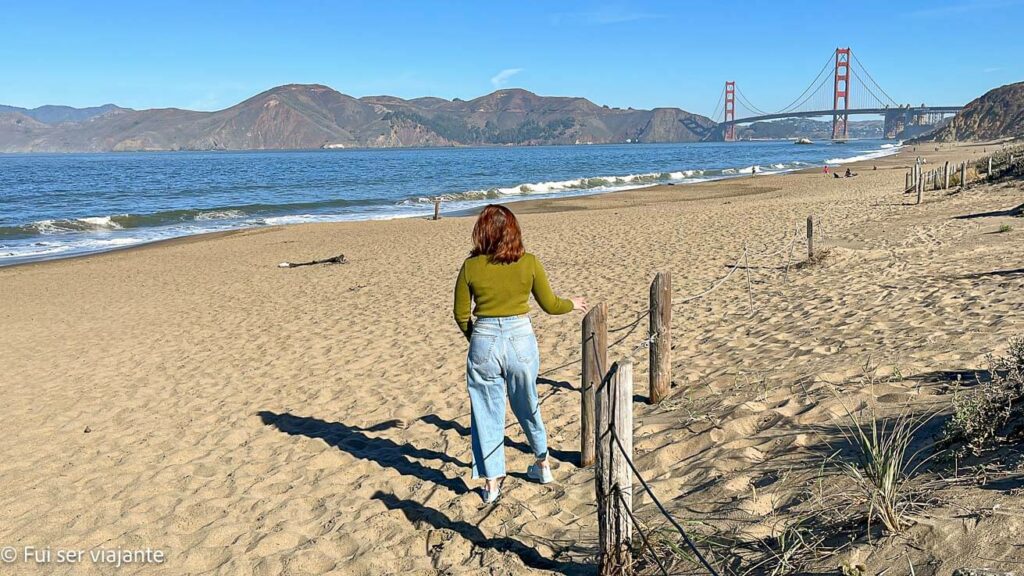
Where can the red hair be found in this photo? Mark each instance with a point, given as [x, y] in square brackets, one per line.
[497, 235]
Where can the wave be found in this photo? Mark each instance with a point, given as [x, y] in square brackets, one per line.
[881, 153]
[59, 237]
[251, 212]
[593, 184]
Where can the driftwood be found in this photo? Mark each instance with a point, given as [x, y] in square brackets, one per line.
[339, 259]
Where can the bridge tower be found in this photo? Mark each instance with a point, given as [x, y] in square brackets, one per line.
[730, 111]
[841, 91]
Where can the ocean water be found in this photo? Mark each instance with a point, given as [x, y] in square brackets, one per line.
[56, 205]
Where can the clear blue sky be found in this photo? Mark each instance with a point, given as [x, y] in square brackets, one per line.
[211, 54]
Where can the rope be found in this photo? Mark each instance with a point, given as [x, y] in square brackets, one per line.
[639, 530]
[715, 285]
[654, 498]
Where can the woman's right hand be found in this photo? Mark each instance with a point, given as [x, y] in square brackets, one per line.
[580, 303]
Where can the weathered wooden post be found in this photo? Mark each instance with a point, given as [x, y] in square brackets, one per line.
[963, 174]
[920, 190]
[906, 185]
[945, 176]
[810, 238]
[661, 334]
[595, 362]
[437, 208]
[988, 175]
[614, 478]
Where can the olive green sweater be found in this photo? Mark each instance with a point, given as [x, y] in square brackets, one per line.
[503, 290]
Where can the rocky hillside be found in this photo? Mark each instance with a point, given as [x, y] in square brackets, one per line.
[305, 116]
[806, 128]
[997, 114]
[58, 114]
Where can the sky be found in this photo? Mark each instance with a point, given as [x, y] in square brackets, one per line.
[210, 55]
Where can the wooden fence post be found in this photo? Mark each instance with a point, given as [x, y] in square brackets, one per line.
[920, 190]
[437, 208]
[906, 186]
[613, 476]
[988, 175]
[810, 238]
[945, 176]
[963, 174]
[661, 332]
[595, 362]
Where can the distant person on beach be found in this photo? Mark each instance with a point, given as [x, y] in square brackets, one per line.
[503, 358]
[850, 173]
[826, 170]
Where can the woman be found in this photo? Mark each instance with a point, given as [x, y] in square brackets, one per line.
[499, 277]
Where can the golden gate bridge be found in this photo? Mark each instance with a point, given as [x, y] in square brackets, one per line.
[848, 90]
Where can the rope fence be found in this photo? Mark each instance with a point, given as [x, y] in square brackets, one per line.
[607, 403]
[607, 392]
[949, 175]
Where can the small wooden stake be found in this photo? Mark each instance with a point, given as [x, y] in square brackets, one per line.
[945, 173]
[661, 331]
[963, 174]
[595, 362]
[613, 477]
[988, 175]
[920, 191]
[810, 238]
[437, 208]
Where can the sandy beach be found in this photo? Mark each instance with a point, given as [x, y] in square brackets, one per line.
[194, 398]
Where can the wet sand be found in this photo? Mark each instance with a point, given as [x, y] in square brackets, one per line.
[191, 396]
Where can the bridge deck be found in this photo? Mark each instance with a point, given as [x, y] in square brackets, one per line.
[851, 112]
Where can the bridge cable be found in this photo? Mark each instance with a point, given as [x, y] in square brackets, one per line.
[809, 87]
[877, 85]
[718, 107]
[809, 96]
[867, 87]
[743, 99]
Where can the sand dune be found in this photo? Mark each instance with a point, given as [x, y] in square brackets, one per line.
[246, 419]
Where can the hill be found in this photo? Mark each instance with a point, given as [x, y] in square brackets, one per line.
[58, 114]
[806, 128]
[306, 116]
[999, 113]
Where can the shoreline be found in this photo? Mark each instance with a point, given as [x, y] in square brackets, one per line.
[252, 419]
[363, 148]
[528, 205]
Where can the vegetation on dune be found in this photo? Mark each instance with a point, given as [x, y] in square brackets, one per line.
[885, 466]
[989, 414]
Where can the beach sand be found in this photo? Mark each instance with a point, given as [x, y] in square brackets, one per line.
[193, 397]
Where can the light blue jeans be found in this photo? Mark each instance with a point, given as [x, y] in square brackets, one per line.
[503, 359]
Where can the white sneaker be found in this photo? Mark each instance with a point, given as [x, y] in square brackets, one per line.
[490, 496]
[539, 473]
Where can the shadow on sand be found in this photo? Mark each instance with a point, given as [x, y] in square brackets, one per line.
[1019, 272]
[415, 512]
[383, 451]
[1017, 211]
